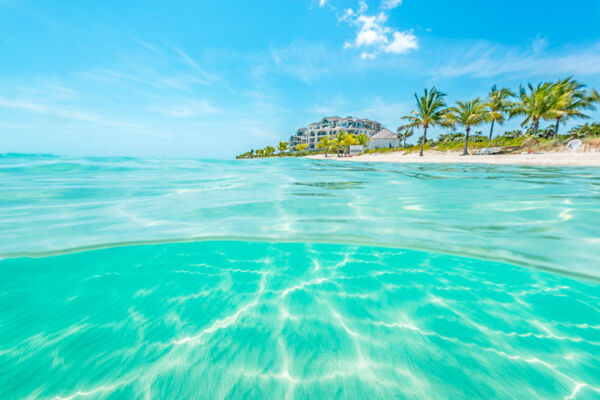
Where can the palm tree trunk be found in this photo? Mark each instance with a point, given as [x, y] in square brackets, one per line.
[536, 126]
[465, 152]
[423, 141]
[404, 144]
[556, 129]
[492, 130]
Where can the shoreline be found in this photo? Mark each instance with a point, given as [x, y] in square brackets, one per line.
[560, 159]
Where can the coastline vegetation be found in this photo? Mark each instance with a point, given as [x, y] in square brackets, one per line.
[552, 102]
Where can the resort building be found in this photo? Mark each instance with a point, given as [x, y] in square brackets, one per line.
[330, 126]
[384, 139]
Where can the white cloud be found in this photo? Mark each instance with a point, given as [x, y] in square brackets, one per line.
[374, 36]
[322, 3]
[402, 43]
[367, 56]
[389, 4]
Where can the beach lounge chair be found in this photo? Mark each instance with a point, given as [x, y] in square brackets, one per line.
[488, 150]
[592, 144]
[510, 149]
[574, 145]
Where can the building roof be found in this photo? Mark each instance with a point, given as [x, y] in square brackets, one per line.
[385, 134]
[370, 120]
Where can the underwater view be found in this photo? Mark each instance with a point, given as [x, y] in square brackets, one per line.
[125, 278]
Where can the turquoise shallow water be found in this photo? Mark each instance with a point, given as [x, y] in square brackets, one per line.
[127, 278]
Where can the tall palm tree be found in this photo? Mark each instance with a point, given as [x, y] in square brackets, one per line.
[499, 105]
[535, 103]
[570, 98]
[468, 114]
[431, 109]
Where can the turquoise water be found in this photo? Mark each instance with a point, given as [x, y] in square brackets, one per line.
[128, 278]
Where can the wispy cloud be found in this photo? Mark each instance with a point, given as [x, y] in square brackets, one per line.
[68, 113]
[148, 82]
[40, 108]
[315, 60]
[486, 60]
[334, 106]
[390, 4]
[389, 112]
[187, 109]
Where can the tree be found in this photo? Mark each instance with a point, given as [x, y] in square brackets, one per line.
[362, 139]
[282, 147]
[260, 152]
[569, 99]
[348, 140]
[325, 143]
[535, 103]
[499, 106]
[301, 147]
[408, 132]
[269, 150]
[404, 132]
[468, 114]
[586, 130]
[431, 111]
[340, 140]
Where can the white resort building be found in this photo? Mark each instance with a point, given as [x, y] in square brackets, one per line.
[384, 139]
[330, 126]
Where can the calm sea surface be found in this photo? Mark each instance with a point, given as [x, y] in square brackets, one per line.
[125, 278]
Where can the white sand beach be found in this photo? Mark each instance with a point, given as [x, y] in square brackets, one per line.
[551, 158]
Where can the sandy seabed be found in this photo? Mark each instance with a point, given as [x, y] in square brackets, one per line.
[551, 158]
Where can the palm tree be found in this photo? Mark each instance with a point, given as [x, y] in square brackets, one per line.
[498, 106]
[301, 147]
[569, 98]
[534, 104]
[348, 141]
[269, 150]
[586, 130]
[282, 147]
[362, 139]
[339, 141]
[431, 109]
[468, 114]
[325, 143]
[404, 132]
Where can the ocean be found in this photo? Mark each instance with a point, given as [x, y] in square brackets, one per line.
[126, 278]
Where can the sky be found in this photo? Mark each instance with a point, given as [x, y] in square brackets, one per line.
[212, 79]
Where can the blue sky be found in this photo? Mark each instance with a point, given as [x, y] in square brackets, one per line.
[215, 78]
